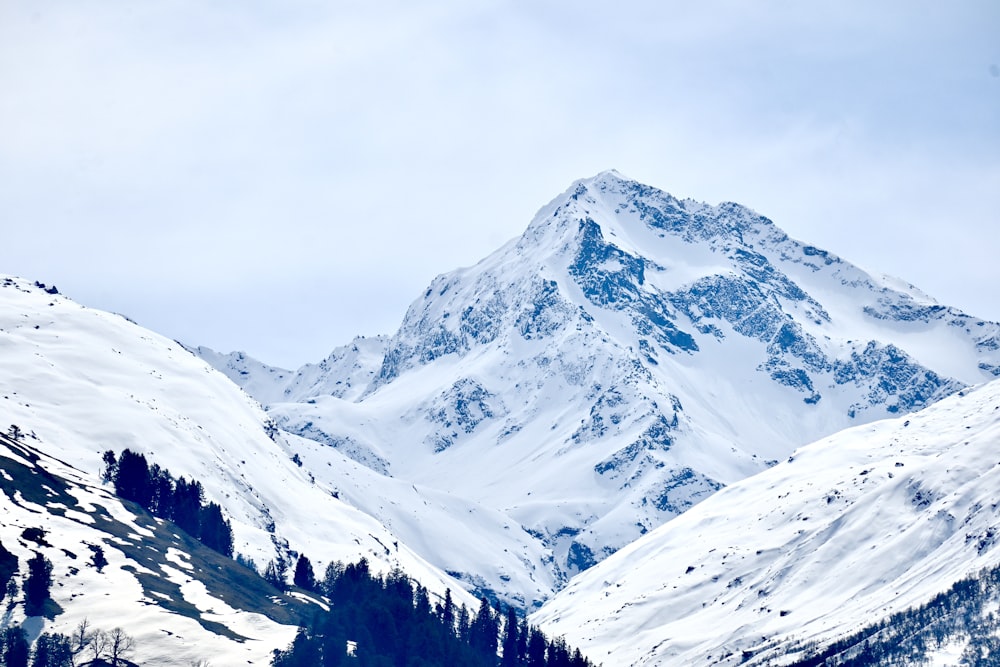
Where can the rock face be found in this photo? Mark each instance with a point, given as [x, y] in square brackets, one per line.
[626, 357]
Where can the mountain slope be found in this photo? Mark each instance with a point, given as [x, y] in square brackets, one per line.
[178, 600]
[624, 359]
[870, 521]
[78, 382]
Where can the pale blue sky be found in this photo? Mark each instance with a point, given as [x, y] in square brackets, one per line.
[277, 177]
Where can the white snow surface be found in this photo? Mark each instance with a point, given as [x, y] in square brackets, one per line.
[79, 381]
[850, 529]
[626, 357]
[345, 373]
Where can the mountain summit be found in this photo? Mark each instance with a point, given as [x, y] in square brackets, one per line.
[626, 357]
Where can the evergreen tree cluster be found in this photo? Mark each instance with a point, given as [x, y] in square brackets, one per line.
[376, 621]
[180, 501]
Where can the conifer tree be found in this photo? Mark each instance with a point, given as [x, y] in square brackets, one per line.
[214, 530]
[536, 648]
[188, 499]
[161, 491]
[52, 650]
[304, 577]
[510, 640]
[464, 624]
[14, 646]
[484, 630]
[422, 601]
[110, 466]
[522, 641]
[333, 572]
[448, 613]
[274, 574]
[132, 479]
[557, 654]
[36, 587]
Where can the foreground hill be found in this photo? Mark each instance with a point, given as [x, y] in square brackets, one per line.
[624, 359]
[78, 382]
[870, 522]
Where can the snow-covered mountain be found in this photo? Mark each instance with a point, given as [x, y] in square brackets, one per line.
[584, 387]
[77, 382]
[627, 357]
[871, 521]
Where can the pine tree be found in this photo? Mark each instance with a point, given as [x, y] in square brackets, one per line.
[484, 630]
[510, 640]
[36, 587]
[110, 466]
[162, 491]
[52, 650]
[536, 648]
[132, 479]
[522, 641]
[15, 647]
[304, 577]
[422, 601]
[214, 531]
[448, 613]
[333, 572]
[274, 574]
[558, 653]
[464, 629]
[188, 499]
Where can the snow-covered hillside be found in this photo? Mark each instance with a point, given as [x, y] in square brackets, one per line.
[624, 359]
[870, 521]
[78, 381]
[178, 600]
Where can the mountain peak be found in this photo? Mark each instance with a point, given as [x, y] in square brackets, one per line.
[609, 369]
[610, 197]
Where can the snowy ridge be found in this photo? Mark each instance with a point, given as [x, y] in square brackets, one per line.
[865, 523]
[345, 373]
[625, 358]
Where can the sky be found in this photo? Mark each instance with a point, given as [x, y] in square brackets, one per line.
[279, 177]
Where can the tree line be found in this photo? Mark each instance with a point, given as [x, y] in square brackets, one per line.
[376, 621]
[178, 500]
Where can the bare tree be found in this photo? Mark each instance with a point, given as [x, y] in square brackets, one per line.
[98, 643]
[81, 636]
[119, 645]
